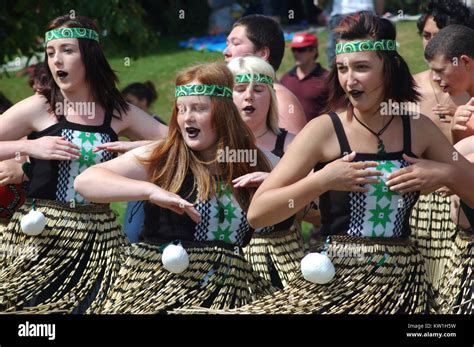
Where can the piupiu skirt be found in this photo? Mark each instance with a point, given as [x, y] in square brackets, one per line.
[276, 255]
[218, 277]
[433, 233]
[456, 289]
[3, 225]
[373, 275]
[74, 260]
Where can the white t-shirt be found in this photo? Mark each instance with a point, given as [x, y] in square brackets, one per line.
[350, 6]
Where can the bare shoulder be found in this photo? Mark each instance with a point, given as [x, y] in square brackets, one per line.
[421, 124]
[421, 78]
[315, 133]
[34, 104]
[322, 123]
[283, 92]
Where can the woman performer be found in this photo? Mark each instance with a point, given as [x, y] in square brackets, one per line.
[368, 176]
[76, 255]
[190, 172]
[275, 252]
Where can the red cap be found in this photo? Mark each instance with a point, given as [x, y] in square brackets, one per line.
[304, 40]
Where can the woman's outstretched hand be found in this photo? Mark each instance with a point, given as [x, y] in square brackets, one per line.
[175, 203]
[253, 179]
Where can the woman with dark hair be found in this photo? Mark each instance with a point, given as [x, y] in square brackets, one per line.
[368, 174]
[432, 228]
[190, 199]
[76, 243]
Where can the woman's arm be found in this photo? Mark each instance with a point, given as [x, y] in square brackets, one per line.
[126, 179]
[122, 179]
[289, 188]
[141, 126]
[21, 120]
[121, 146]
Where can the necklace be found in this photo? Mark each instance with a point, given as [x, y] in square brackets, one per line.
[259, 136]
[442, 116]
[380, 146]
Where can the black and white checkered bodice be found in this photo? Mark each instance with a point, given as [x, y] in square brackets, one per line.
[54, 179]
[379, 212]
[222, 219]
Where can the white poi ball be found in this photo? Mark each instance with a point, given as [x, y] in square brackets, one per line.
[317, 268]
[175, 258]
[33, 223]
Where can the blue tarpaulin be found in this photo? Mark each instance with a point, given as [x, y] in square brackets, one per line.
[216, 43]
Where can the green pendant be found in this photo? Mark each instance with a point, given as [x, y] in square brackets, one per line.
[381, 148]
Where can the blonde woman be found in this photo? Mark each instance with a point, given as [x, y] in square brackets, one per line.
[275, 251]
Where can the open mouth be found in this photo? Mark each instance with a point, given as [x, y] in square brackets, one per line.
[249, 109]
[355, 93]
[192, 132]
[445, 88]
[62, 74]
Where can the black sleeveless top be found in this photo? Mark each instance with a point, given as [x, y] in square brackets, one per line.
[378, 212]
[222, 219]
[279, 151]
[54, 179]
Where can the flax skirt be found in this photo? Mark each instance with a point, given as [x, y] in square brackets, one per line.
[74, 260]
[277, 255]
[373, 275]
[217, 277]
[433, 232]
[456, 289]
[3, 225]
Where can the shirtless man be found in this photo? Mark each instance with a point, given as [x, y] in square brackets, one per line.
[437, 104]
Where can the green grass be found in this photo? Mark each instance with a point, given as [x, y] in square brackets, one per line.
[161, 68]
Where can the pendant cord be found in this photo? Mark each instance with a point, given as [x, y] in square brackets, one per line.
[381, 131]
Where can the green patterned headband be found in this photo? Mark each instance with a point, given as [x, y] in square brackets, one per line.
[203, 89]
[71, 33]
[368, 45]
[257, 77]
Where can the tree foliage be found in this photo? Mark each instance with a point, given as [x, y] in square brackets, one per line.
[24, 22]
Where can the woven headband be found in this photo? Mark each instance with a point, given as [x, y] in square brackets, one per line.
[368, 45]
[71, 33]
[203, 89]
[256, 77]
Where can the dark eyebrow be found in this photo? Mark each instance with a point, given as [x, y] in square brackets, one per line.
[355, 62]
[63, 45]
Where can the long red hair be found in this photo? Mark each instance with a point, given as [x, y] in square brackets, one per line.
[171, 159]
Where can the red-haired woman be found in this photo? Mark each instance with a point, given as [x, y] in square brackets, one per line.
[191, 200]
[78, 109]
